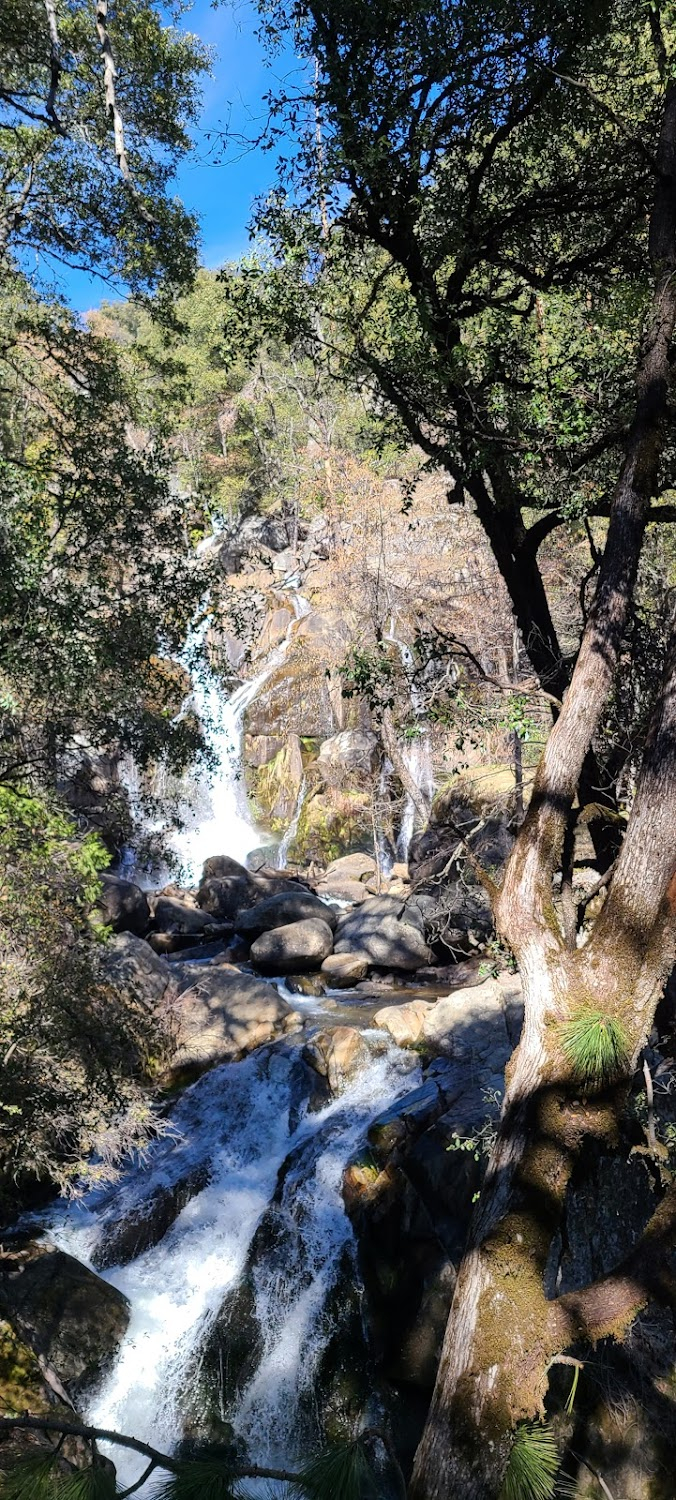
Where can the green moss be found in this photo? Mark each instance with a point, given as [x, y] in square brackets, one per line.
[331, 823]
[22, 1386]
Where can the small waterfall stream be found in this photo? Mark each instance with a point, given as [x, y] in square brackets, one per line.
[238, 1125]
[417, 752]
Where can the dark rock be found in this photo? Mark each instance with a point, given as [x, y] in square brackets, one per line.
[287, 907]
[171, 915]
[123, 905]
[222, 867]
[222, 897]
[149, 1221]
[132, 968]
[293, 947]
[64, 1311]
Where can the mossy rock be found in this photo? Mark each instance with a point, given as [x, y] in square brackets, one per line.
[332, 822]
[480, 788]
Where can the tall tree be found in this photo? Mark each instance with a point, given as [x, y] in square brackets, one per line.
[494, 170]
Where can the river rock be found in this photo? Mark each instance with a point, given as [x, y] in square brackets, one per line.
[123, 905]
[223, 896]
[221, 1014]
[147, 1223]
[351, 867]
[404, 1022]
[131, 967]
[342, 970]
[337, 1055]
[68, 1315]
[382, 931]
[221, 867]
[288, 907]
[293, 947]
[333, 888]
[475, 1023]
[171, 915]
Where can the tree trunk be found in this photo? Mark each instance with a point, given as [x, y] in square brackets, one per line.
[503, 1331]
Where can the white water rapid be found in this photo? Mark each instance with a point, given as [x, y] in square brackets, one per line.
[235, 1127]
[219, 820]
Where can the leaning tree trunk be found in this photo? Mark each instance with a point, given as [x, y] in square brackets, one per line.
[504, 1333]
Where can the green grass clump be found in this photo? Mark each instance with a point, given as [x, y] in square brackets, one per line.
[533, 1465]
[596, 1045]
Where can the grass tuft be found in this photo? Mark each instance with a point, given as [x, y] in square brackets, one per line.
[533, 1465]
[596, 1045]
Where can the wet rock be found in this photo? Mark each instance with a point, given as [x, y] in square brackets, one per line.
[289, 906]
[221, 1014]
[305, 984]
[337, 1055]
[131, 967]
[343, 970]
[172, 915]
[356, 867]
[67, 1314]
[295, 946]
[260, 749]
[381, 931]
[149, 1221]
[123, 905]
[28, 1384]
[404, 1022]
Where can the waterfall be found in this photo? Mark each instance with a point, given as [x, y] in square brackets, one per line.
[289, 836]
[418, 751]
[238, 1124]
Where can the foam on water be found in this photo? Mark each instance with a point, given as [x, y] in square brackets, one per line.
[235, 1123]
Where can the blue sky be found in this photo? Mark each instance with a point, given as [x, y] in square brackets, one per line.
[221, 193]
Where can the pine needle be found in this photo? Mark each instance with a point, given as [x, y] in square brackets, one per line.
[38, 1478]
[199, 1479]
[596, 1045]
[533, 1465]
[341, 1473]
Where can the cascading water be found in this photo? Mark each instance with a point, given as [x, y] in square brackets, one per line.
[236, 1127]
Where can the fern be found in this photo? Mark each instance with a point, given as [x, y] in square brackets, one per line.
[596, 1045]
[533, 1465]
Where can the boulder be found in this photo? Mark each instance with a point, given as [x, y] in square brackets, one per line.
[289, 906]
[221, 1014]
[293, 947]
[382, 930]
[351, 867]
[475, 1024]
[220, 866]
[352, 752]
[172, 915]
[404, 1022]
[123, 905]
[337, 1055]
[68, 1315]
[335, 889]
[27, 1384]
[132, 968]
[342, 970]
[223, 896]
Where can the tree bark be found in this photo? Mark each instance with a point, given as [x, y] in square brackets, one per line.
[503, 1332]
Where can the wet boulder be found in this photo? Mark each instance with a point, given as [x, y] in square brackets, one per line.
[337, 1055]
[287, 907]
[28, 1384]
[294, 947]
[343, 970]
[384, 931]
[222, 897]
[221, 1014]
[404, 1022]
[65, 1312]
[123, 905]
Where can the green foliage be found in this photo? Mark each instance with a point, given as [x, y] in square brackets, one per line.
[340, 1473]
[596, 1045]
[40, 1478]
[533, 1465]
[74, 1051]
[199, 1479]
